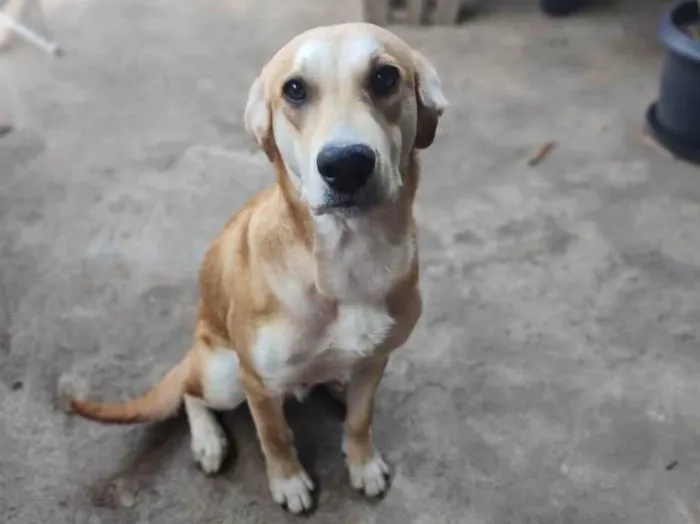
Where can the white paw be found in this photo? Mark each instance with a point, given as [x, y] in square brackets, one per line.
[209, 447]
[371, 477]
[293, 492]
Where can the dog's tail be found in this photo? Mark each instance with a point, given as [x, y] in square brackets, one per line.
[159, 403]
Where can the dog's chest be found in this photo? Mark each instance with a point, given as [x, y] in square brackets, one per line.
[330, 323]
[300, 351]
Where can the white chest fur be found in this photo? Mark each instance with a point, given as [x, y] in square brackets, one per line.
[321, 335]
[296, 352]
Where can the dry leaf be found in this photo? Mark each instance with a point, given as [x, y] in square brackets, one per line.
[540, 153]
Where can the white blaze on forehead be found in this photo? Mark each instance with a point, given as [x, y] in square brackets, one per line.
[358, 50]
[318, 57]
[313, 58]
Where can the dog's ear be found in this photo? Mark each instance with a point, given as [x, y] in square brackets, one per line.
[258, 118]
[431, 101]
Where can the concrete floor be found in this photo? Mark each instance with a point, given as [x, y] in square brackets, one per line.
[554, 377]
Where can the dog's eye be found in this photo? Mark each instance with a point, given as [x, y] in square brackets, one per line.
[294, 90]
[384, 79]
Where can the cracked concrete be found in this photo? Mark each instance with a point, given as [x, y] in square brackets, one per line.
[554, 376]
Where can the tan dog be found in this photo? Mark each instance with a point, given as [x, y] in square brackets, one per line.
[315, 279]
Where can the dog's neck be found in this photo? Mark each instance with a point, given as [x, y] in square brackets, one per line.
[358, 257]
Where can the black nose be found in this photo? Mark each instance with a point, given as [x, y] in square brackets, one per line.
[346, 168]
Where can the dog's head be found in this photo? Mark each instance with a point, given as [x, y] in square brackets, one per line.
[342, 107]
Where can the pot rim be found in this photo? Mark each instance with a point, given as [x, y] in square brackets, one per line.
[672, 36]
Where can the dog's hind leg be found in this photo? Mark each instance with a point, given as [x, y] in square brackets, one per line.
[207, 378]
[209, 444]
[220, 389]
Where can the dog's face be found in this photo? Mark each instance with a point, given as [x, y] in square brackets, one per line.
[343, 107]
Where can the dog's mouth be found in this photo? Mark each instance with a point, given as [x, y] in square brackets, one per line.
[345, 205]
[340, 206]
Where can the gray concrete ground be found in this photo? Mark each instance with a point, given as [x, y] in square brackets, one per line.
[554, 377]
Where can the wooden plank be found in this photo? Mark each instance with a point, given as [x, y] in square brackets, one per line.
[376, 11]
[446, 11]
[414, 11]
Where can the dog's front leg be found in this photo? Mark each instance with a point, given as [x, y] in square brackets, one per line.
[368, 471]
[289, 483]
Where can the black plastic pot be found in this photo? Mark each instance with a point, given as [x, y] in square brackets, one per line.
[560, 7]
[674, 119]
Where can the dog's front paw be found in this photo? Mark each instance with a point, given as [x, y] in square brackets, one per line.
[293, 492]
[209, 447]
[370, 477]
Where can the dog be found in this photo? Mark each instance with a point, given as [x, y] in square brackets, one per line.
[315, 279]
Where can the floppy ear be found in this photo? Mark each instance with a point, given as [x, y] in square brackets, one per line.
[258, 118]
[431, 101]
